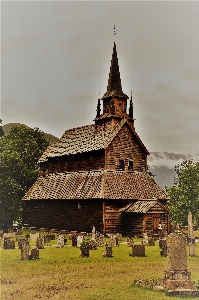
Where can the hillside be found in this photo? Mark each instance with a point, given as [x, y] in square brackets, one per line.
[8, 126]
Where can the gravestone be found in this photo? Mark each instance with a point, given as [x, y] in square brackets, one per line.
[191, 238]
[34, 236]
[93, 233]
[151, 242]
[74, 238]
[47, 238]
[84, 247]
[40, 242]
[111, 241]
[109, 252]
[130, 242]
[8, 244]
[79, 240]
[93, 245]
[25, 248]
[21, 242]
[100, 240]
[60, 241]
[163, 247]
[34, 254]
[145, 240]
[138, 250]
[177, 279]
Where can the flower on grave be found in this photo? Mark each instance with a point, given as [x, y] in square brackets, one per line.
[85, 244]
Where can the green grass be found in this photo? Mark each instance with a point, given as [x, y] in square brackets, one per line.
[63, 274]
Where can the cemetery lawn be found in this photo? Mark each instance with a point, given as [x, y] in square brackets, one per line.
[61, 273]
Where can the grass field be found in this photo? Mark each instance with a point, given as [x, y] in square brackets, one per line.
[63, 274]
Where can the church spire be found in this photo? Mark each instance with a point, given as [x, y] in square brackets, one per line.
[114, 87]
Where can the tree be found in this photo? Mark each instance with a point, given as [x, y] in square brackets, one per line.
[1, 129]
[20, 150]
[184, 193]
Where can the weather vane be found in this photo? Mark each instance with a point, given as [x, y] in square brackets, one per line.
[114, 30]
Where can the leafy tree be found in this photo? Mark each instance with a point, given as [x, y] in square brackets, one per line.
[20, 150]
[1, 129]
[184, 193]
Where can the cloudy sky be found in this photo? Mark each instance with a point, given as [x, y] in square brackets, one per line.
[56, 57]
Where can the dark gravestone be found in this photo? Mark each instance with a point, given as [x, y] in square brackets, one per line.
[34, 254]
[109, 252]
[25, 248]
[21, 242]
[74, 239]
[8, 244]
[47, 238]
[138, 250]
[163, 247]
[40, 242]
[84, 250]
[151, 242]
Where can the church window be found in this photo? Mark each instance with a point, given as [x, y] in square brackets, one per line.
[130, 165]
[121, 165]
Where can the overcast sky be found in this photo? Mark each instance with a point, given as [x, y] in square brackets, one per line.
[56, 59]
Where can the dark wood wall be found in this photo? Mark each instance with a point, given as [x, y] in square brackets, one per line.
[88, 161]
[124, 146]
[64, 214]
[132, 224]
[112, 216]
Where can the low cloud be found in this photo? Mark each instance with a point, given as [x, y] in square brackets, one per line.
[169, 160]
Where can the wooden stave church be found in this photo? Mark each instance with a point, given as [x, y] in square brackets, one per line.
[96, 175]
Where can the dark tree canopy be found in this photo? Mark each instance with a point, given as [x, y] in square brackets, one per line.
[20, 150]
[1, 129]
[184, 193]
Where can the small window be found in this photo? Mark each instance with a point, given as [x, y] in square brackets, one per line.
[121, 165]
[130, 166]
[79, 206]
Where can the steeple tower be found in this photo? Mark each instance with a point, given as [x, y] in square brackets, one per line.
[114, 87]
[114, 100]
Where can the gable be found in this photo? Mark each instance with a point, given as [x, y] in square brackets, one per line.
[84, 139]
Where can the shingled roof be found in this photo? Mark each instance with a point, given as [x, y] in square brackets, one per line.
[96, 185]
[142, 206]
[84, 139]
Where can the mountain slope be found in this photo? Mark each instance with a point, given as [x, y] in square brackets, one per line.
[8, 126]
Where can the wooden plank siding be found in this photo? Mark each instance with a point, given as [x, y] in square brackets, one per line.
[125, 146]
[88, 161]
[112, 216]
[65, 215]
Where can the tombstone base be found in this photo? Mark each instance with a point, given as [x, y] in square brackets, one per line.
[177, 281]
[183, 292]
